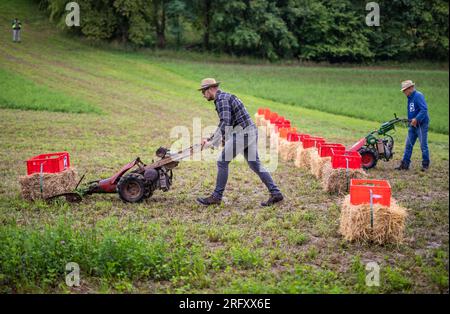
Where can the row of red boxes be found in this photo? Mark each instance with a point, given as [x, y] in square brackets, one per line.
[361, 191]
[340, 158]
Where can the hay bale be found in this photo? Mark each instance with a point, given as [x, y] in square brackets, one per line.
[274, 140]
[287, 150]
[388, 222]
[258, 118]
[263, 122]
[304, 157]
[318, 163]
[282, 144]
[270, 129]
[335, 180]
[53, 184]
[297, 155]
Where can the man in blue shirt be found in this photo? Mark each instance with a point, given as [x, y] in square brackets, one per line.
[239, 135]
[418, 129]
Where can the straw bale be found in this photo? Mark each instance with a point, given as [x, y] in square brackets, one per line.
[53, 184]
[318, 163]
[288, 150]
[303, 158]
[388, 222]
[297, 155]
[258, 118]
[336, 181]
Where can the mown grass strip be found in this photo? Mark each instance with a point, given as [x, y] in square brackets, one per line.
[20, 93]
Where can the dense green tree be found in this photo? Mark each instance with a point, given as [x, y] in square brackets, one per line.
[320, 30]
[252, 27]
[411, 29]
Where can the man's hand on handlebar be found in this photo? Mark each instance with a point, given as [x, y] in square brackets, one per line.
[205, 143]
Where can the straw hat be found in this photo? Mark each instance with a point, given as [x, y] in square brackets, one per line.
[207, 83]
[407, 84]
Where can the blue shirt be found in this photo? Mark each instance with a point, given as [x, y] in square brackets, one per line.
[232, 113]
[417, 108]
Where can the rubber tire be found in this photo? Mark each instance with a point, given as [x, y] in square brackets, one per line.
[366, 152]
[133, 178]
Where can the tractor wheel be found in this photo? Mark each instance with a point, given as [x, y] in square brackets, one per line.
[369, 157]
[132, 188]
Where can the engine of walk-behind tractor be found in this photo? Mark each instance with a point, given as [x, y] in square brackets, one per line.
[136, 181]
[140, 184]
[378, 144]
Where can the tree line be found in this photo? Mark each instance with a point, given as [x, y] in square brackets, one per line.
[317, 30]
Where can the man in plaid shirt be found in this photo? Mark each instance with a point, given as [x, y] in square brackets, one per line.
[239, 135]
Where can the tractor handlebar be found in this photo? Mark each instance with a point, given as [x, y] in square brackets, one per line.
[390, 125]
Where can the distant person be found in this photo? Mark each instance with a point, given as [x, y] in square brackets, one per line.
[16, 27]
[418, 129]
[239, 135]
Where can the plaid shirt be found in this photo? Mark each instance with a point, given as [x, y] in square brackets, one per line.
[232, 113]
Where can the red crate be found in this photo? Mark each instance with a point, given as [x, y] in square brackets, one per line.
[51, 163]
[318, 142]
[309, 141]
[276, 119]
[360, 192]
[266, 114]
[273, 116]
[293, 137]
[261, 111]
[339, 160]
[281, 122]
[329, 149]
[303, 136]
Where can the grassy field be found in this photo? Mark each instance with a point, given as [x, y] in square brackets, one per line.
[366, 93]
[20, 93]
[169, 243]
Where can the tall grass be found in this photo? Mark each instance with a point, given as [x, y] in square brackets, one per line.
[20, 93]
[366, 93]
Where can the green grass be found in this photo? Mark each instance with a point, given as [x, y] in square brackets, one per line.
[21, 93]
[31, 257]
[169, 244]
[366, 93]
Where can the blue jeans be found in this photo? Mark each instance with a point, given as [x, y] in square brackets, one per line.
[246, 144]
[420, 132]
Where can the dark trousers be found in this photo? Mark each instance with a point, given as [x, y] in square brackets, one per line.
[246, 144]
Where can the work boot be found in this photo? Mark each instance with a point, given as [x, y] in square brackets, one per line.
[273, 199]
[402, 166]
[210, 200]
[425, 167]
